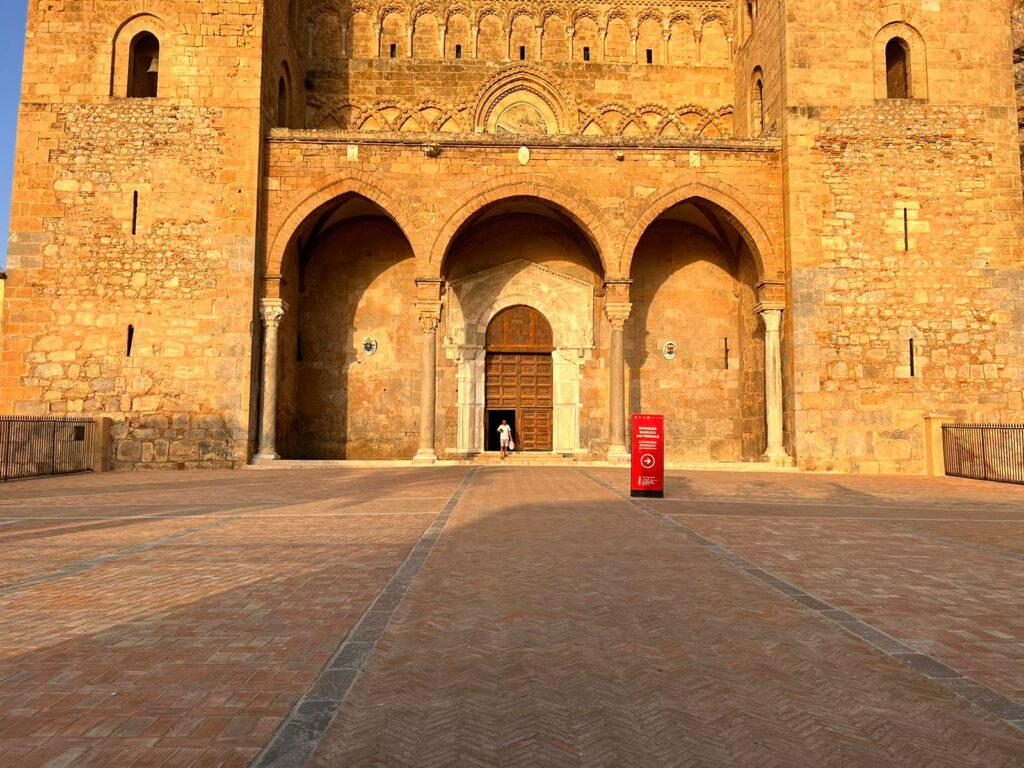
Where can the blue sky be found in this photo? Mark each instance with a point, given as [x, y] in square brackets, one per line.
[12, 44]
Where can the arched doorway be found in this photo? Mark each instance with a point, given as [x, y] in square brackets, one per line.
[522, 252]
[518, 376]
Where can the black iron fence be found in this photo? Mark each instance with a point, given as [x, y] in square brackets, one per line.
[984, 451]
[37, 446]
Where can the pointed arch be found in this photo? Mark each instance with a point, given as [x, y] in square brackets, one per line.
[569, 202]
[731, 204]
[309, 201]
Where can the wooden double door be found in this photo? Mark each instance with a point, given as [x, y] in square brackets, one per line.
[519, 385]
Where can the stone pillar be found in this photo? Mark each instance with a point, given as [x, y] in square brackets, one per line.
[540, 43]
[776, 452]
[429, 312]
[271, 312]
[410, 31]
[475, 31]
[380, 39]
[603, 34]
[570, 32]
[442, 36]
[634, 39]
[617, 313]
[666, 38]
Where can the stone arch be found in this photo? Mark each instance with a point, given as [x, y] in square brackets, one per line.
[492, 42]
[310, 200]
[566, 302]
[526, 84]
[123, 39]
[426, 36]
[539, 301]
[916, 58]
[756, 118]
[569, 203]
[732, 205]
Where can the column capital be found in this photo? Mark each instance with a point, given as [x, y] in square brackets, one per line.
[771, 315]
[271, 312]
[429, 313]
[617, 313]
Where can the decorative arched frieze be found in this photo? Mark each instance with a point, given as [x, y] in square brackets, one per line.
[530, 87]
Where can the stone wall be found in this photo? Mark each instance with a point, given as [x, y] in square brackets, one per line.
[135, 218]
[904, 222]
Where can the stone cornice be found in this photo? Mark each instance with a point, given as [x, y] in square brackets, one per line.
[284, 136]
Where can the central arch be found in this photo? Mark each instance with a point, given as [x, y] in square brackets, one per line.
[575, 207]
[518, 377]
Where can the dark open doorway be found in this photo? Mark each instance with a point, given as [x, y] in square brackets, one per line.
[493, 422]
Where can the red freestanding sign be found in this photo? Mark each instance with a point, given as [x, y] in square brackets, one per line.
[648, 458]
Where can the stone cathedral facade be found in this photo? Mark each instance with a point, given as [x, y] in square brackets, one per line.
[369, 229]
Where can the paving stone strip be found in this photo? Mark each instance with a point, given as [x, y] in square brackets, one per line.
[962, 685]
[299, 734]
[87, 565]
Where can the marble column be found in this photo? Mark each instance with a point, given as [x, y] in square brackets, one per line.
[776, 452]
[271, 312]
[617, 313]
[430, 317]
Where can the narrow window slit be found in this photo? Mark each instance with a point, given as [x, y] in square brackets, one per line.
[650, 56]
[131, 340]
[522, 53]
[906, 230]
[586, 53]
[458, 51]
[135, 212]
[912, 372]
[393, 51]
[726, 350]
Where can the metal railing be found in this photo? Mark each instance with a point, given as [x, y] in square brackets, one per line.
[37, 446]
[984, 451]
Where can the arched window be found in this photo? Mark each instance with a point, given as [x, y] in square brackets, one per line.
[897, 69]
[144, 66]
[282, 103]
[757, 104]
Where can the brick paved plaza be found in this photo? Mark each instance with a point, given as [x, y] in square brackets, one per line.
[510, 616]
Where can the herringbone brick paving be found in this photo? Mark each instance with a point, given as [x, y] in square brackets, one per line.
[174, 619]
[555, 625]
[191, 652]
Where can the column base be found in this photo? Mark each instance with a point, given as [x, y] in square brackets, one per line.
[263, 458]
[778, 457]
[425, 456]
[618, 454]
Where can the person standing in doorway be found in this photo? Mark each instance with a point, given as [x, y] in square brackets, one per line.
[504, 437]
